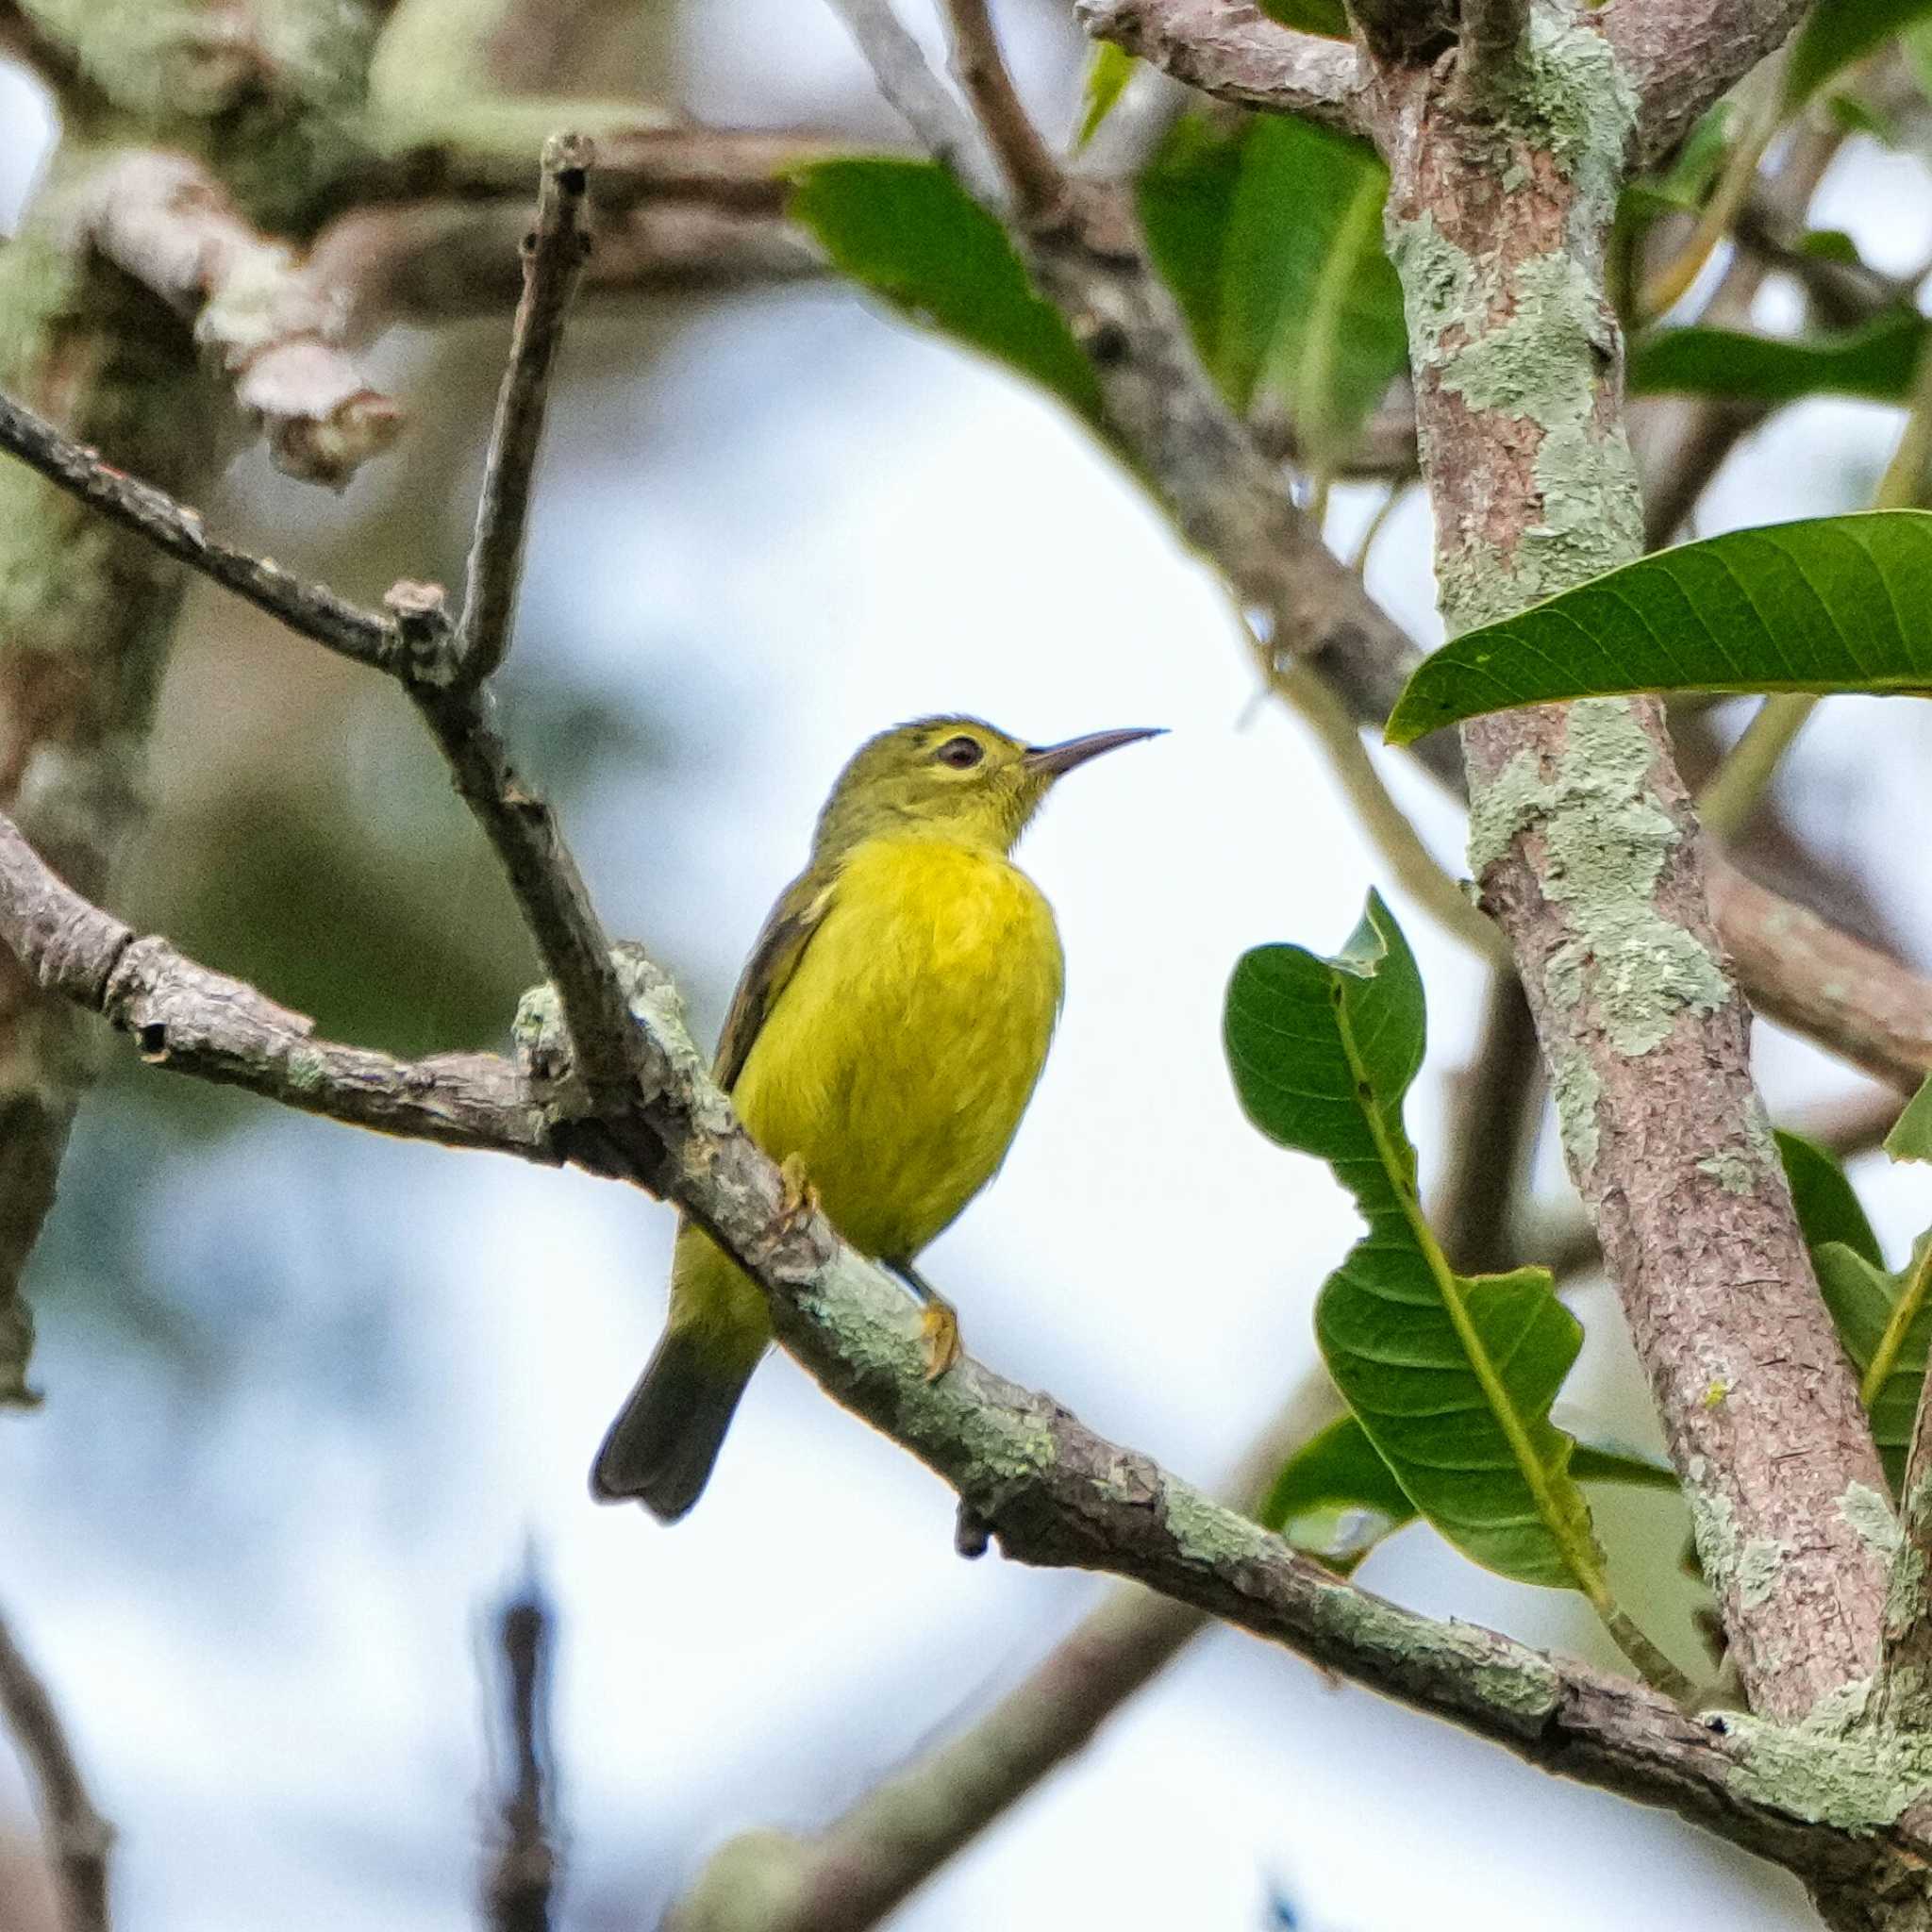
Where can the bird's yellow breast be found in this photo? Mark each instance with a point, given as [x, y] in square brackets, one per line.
[898, 1060]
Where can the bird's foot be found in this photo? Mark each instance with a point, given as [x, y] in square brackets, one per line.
[799, 1195]
[939, 1328]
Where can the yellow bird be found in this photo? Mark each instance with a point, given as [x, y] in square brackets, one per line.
[886, 1036]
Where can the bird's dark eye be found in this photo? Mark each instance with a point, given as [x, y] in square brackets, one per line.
[961, 752]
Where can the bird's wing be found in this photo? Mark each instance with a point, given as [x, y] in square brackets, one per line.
[799, 913]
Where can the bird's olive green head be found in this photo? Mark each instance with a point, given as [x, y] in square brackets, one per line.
[954, 778]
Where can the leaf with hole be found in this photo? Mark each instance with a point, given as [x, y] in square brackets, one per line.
[1336, 1499]
[1450, 1376]
[1833, 604]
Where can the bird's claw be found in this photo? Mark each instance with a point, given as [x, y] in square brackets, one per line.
[798, 1195]
[939, 1328]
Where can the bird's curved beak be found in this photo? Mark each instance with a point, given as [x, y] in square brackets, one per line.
[1054, 761]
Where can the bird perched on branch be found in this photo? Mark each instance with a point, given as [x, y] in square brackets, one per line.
[885, 1037]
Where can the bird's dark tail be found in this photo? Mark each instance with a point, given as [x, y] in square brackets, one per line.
[660, 1449]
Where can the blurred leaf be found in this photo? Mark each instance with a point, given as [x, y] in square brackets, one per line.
[1878, 360]
[1835, 603]
[907, 231]
[1326, 17]
[1911, 1134]
[1451, 1377]
[1828, 1209]
[1830, 245]
[1836, 33]
[1856, 115]
[1186, 196]
[1269, 236]
[1108, 71]
[1335, 1498]
[1310, 305]
[1885, 1322]
[1682, 185]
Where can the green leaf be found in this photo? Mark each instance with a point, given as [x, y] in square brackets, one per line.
[1270, 239]
[1836, 604]
[1877, 361]
[1336, 1499]
[1828, 1210]
[1911, 1134]
[1836, 33]
[1885, 1322]
[1310, 307]
[1108, 75]
[1681, 188]
[1326, 17]
[1186, 194]
[907, 231]
[1451, 1377]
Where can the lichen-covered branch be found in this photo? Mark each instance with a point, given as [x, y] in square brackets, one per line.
[269, 327]
[1583, 841]
[1232, 50]
[78, 1838]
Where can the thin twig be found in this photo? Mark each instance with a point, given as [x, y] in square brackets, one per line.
[309, 610]
[1032, 171]
[554, 255]
[78, 1838]
[521, 1879]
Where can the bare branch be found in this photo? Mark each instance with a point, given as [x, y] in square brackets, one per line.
[1501, 1097]
[1032, 171]
[1232, 50]
[553, 254]
[748, 170]
[1823, 983]
[308, 609]
[273, 330]
[1902, 1698]
[907, 80]
[78, 1838]
[522, 1875]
